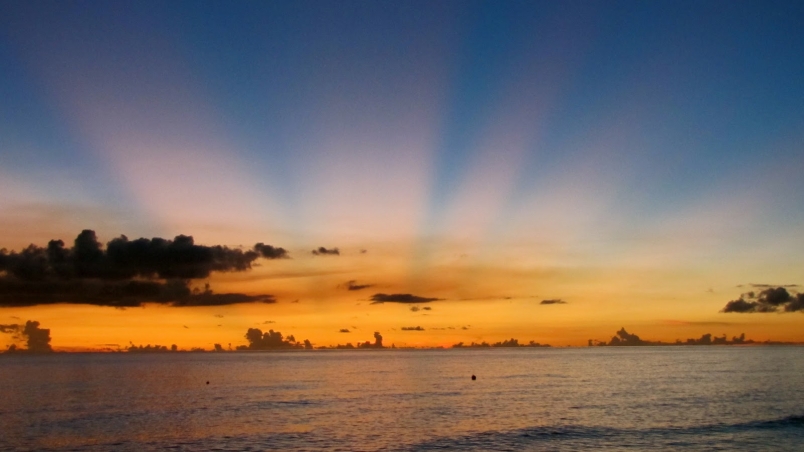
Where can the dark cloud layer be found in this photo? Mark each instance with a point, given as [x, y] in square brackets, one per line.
[553, 301]
[321, 251]
[400, 298]
[772, 299]
[125, 273]
[412, 328]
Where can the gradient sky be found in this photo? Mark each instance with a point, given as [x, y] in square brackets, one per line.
[641, 161]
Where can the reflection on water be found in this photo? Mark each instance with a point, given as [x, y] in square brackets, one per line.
[526, 399]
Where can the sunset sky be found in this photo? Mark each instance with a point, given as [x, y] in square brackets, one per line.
[639, 161]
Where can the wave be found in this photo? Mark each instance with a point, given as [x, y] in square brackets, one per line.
[783, 433]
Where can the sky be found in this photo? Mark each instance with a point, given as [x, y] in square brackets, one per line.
[640, 162]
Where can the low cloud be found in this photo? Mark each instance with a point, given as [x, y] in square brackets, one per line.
[412, 328]
[321, 251]
[378, 298]
[124, 273]
[37, 339]
[772, 299]
[553, 301]
[344, 330]
[131, 293]
[271, 340]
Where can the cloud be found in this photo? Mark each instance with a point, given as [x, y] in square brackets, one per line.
[415, 308]
[321, 251]
[412, 328]
[768, 300]
[353, 285]
[125, 273]
[553, 301]
[765, 286]
[378, 298]
[271, 340]
[131, 293]
[271, 252]
[37, 339]
[344, 330]
[9, 329]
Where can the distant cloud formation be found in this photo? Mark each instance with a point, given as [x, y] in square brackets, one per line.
[553, 301]
[353, 285]
[271, 340]
[126, 273]
[37, 339]
[379, 298]
[321, 251]
[412, 328]
[624, 338]
[772, 299]
[344, 330]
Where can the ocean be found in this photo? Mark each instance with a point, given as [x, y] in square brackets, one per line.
[529, 399]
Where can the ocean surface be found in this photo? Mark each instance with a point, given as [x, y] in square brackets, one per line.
[627, 398]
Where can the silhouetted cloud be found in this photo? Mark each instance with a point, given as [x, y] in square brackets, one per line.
[553, 301]
[353, 285]
[415, 308]
[131, 293]
[125, 273]
[400, 298]
[768, 300]
[507, 343]
[271, 252]
[412, 328]
[321, 251]
[37, 339]
[271, 340]
[624, 338]
[344, 330]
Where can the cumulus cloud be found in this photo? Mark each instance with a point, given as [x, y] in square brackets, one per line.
[553, 301]
[271, 340]
[37, 339]
[321, 251]
[772, 299]
[412, 328]
[344, 330]
[353, 285]
[125, 273]
[378, 298]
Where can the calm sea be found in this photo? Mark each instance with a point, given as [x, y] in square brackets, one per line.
[641, 398]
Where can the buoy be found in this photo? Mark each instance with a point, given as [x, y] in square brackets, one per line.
[474, 378]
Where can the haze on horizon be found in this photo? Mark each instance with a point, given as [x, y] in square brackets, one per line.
[440, 172]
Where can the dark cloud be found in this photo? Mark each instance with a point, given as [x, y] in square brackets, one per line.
[412, 328]
[415, 308]
[344, 330]
[353, 285]
[271, 252]
[321, 251]
[553, 301]
[125, 273]
[37, 339]
[131, 293]
[271, 340]
[506, 343]
[765, 286]
[400, 298]
[8, 329]
[769, 300]
[427, 308]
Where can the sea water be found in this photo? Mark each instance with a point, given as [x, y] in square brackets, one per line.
[531, 399]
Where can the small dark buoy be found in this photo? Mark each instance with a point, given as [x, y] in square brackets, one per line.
[207, 382]
[474, 378]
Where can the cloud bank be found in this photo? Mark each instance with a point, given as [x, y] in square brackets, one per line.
[126, 273]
